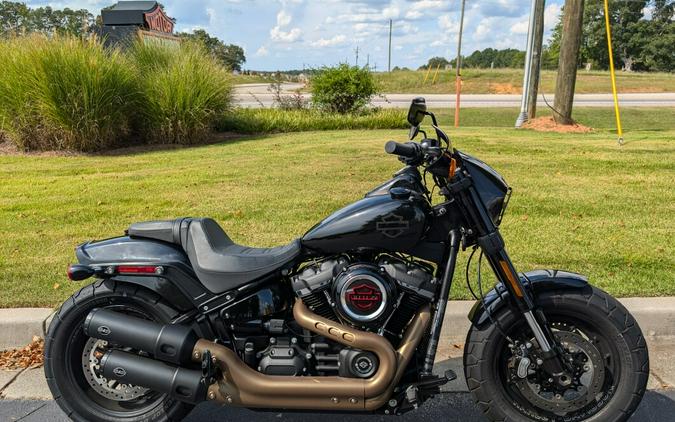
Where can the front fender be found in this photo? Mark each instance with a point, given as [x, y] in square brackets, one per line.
[537, 281]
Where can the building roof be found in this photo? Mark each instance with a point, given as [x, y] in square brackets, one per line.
[144, 6]
[131, 13]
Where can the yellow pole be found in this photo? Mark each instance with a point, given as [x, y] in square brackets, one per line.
[436, 74]
[426, 76]
[611, 72]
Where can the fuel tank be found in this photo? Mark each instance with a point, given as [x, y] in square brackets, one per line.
[393, 222]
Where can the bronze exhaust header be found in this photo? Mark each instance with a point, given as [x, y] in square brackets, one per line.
[242, 386]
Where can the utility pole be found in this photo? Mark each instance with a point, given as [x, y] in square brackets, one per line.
[458, 72]
[368, 60]
[522, 117]
[535, 66]
[357, 55]
[390, 27]
[570, 42]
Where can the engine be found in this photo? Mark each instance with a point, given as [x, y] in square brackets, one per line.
[381, 295]
[365, 294]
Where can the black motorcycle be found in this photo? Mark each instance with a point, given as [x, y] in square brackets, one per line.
[348, 318]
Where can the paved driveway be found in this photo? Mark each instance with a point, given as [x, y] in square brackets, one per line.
[657, 406]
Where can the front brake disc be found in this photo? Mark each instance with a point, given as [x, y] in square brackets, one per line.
[586, 386]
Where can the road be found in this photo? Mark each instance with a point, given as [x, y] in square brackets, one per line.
[257, 95]
[657, 406]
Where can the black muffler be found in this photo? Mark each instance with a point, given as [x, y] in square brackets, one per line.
[165, 343]
[169, 343]
[187, 385]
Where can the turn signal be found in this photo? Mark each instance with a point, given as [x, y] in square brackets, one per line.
[78, 272]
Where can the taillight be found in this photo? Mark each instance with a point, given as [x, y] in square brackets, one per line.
[139, 269]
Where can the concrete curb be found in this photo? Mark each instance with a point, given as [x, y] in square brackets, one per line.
[18, 326]
[656, 317]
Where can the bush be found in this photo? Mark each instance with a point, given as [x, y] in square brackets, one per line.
[272, 120]
[183, 91]
[65, 93]
[343, 89]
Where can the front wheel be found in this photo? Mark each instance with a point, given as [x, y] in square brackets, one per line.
[603, 348]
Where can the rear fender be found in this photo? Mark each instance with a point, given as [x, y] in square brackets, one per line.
[539, 281]
[177, 284]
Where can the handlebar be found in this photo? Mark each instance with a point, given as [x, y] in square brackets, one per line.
[408, 150]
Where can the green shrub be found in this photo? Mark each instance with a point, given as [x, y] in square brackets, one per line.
[271, 120]
[184, 90]
[65, 93]
[343, 89]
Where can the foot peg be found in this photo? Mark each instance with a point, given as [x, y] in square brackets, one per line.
[436, 381]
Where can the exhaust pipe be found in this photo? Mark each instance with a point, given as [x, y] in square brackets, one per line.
[186, 385]
[169, 343]
[239, 385]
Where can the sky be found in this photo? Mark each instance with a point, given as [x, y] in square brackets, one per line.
[296, 34]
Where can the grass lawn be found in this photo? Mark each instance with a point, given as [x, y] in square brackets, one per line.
[510, 81]
[580, 202]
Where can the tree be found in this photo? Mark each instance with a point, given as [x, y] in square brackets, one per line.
[343, 89]
[16, 18]
[229, 55]
[435, 62]
[13, 17]
[569, 57]
[640, 42]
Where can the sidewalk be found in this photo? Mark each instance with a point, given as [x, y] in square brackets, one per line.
[656, 317]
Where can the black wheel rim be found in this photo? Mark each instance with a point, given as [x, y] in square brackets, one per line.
[608, 352]
[74, 368]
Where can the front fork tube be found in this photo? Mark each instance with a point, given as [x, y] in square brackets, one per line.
[506, 273]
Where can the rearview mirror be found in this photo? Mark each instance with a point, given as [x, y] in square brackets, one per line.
[416, 113]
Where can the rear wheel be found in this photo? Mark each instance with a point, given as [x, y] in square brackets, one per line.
[603, 347]
[71, 359]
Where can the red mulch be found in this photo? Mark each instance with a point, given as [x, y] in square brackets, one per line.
[28, 357]
[548, 124]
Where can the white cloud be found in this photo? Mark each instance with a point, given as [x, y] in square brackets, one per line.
[283, 18]
[448, 24]
[262, 51]
[520, 27]
[292, 35]
[323, 42]
[551, 15]
[280, 33]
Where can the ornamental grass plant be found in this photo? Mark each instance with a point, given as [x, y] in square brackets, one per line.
[65, 93]
[183, 92]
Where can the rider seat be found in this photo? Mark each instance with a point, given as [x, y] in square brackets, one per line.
[219, 263]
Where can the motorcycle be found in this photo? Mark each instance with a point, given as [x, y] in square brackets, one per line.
[347, 318]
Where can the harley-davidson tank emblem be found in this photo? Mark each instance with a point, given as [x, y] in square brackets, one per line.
[392, 225]
[364, 297]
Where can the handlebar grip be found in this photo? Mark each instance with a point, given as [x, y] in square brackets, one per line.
[408, 150]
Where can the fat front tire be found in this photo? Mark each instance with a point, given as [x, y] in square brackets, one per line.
[75, 389]
[607, 328]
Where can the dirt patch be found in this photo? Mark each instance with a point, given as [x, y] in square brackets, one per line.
[30, 356]
[548, 124]
[503, 88]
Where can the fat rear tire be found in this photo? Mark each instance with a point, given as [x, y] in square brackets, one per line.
[66, 329]
[595, 306]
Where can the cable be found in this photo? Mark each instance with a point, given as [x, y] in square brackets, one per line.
[468, 281]
[487, 310]
[552, 108]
